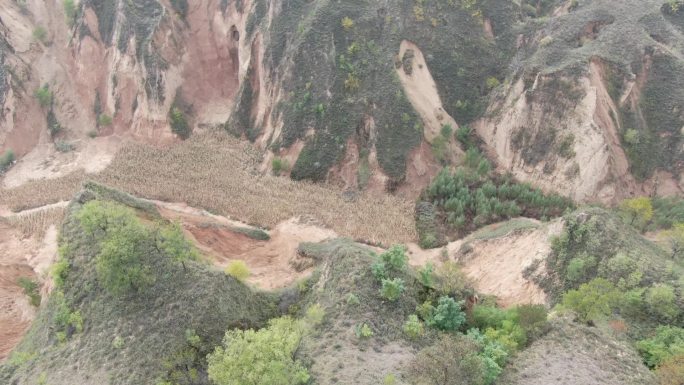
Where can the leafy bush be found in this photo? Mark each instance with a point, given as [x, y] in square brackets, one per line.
[667, 342]
[450, 278]
[579, 267]
[263, 357]
[413, 328]
[279, 165]
[637, 211]
[363, 331]
[593, 301]
[662, 302]
[122, 264]
[447, 315]
[395, 258]
[353, 300]
[179, 124]
[426, 276]
[104, 120]
[379, 270]
[238, 269]
[44, 96]
[392, 288]
[347, 23]
[172, 242]
[6, 160]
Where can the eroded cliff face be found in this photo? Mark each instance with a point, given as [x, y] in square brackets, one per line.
[117, 68]
[355, 94]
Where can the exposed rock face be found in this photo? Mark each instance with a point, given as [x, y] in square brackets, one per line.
[576, 103]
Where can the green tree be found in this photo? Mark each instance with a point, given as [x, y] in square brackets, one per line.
[637, 211]
[98, 218]
[661, 301]
[122, 264]
[263, 357]
[70, 12]
[667, 342]
[448, 314]
[172, 242]
[674, 239]
[593, 301]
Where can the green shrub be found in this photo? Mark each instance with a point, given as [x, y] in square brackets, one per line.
[40, 34]
[171, 241]
[667, 342]
[6, 160]
[30, 289]
[593, 301]
[353, 300]
[122, 264]
[104, 120]
[44, 96]
[661, 301]
[379, 270]
[363, 331]
[392, 288]
[637, 211]
[70, 12]
[395, 258]
[279, 166]
[450, 278]
[118, 342]
[263, 357]
[447, 315]
[578, 269]
[413, 328]
[238, 269]
[179, 124]
[426, 276]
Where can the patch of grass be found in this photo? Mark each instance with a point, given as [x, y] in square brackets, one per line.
[31, 289]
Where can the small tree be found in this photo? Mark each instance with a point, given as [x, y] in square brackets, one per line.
[448, 314]
[592, 301]
[674, 239]
[637, 211]
[662, 302]
[172, 242]
[392, 288]
[264, 357]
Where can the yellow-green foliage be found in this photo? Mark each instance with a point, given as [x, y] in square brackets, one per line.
[347, 23]
[637, 211]
[262, 357]
[238, 269]
[593, 301]
[172, 242]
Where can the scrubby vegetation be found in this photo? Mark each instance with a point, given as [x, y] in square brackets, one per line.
[6, 160]
[470, 198]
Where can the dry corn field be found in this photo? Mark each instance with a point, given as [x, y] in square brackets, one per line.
[217, 172]
[36, 222]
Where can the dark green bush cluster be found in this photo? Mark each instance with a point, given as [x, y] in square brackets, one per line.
[179, 124]
[468, 200]
[391, 262]
[30, 289]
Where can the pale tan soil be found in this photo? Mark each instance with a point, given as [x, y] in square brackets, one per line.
[45, 162]
[495, 266]
[421, 91]
[21, 256]
[270, 262]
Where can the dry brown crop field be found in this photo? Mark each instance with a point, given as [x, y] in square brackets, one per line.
[219, 173]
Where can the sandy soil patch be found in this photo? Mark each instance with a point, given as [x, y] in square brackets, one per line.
[44, 162]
